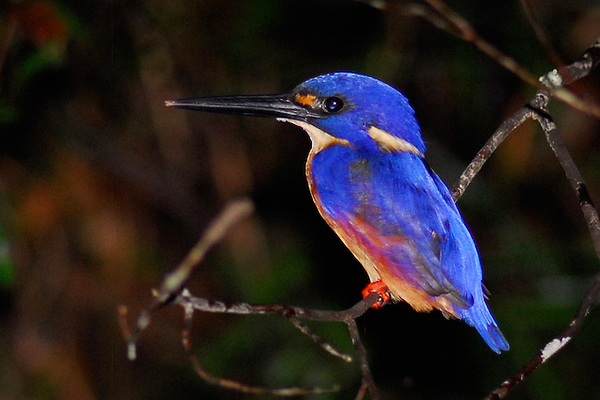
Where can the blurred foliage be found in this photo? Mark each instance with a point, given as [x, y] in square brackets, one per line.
[7, 268]
[103, 190]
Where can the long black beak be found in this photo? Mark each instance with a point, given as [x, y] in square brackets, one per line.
[273, 106]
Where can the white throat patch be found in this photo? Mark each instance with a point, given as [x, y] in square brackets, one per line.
[319, 138]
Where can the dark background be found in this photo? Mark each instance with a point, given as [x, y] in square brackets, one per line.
[103, 190]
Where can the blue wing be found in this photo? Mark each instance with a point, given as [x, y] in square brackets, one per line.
[406, 206]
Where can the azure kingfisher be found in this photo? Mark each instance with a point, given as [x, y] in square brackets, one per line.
[370, 182]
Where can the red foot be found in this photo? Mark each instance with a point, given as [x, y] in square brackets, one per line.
[379, 288]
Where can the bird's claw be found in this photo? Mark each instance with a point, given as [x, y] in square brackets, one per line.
[380, 288]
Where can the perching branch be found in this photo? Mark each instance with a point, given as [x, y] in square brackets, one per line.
[348, 317]
[171, 292]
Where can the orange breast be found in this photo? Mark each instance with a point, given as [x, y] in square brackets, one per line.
[364, 241]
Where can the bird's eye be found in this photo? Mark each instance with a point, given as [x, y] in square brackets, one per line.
[333, 104]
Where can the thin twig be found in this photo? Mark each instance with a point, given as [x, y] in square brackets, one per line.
[361, 354]
[232, 213]
[540, 33]
[552, 81]
[463, 29]
[328, 347]
[362, 390]
[505, 128]
[379, 4]
[173, 282]
[232, 384]
[450, 21]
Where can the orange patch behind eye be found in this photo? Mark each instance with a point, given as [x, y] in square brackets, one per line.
[306, 99]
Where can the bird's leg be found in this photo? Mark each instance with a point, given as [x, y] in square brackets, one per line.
[379, 288]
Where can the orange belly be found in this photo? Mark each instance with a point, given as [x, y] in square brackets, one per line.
[351, 234]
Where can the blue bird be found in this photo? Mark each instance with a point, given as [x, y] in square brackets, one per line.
[370, 182]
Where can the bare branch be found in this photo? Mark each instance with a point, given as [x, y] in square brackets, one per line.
[539, 113]
[553, 82]
[540, 33]
[459, 26]
[507, 126]
[348, 316]
[328, 347]
[443, 17]
[361, 353]
[232, 213]
[379, 4]
[173, 282]
[212, 306]
[591, 217]
[231, 384]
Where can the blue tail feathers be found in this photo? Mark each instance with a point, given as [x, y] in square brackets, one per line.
[480, 317]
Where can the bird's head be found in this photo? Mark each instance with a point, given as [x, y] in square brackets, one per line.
[355, 108]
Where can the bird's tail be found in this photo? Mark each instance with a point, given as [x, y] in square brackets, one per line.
[480, 317]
